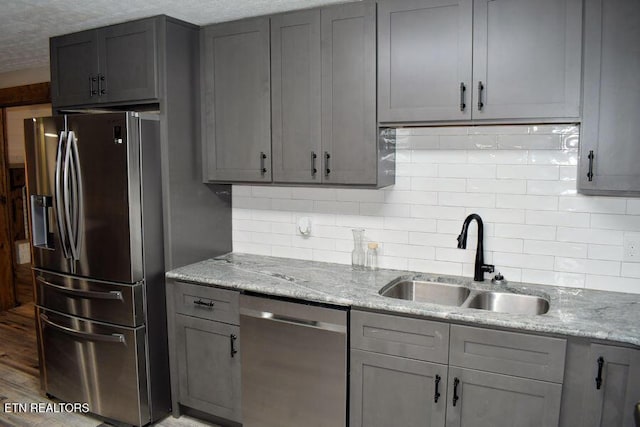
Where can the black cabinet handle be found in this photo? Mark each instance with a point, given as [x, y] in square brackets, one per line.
[102, 86]
[232, 340]
[199, 302]
[455, 391]
[314, 156]
[263, 168]
[463, 89]
[480, 89]
[92, 90]
[599, 377]
[436, 396]
[590, 173]
[327, 169]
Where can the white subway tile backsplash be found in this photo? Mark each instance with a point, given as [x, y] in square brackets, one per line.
[541, 247]
[507, 186]
[439, 184]
[466, 171]
[548, 203]
[521, 179]
[539, 172]
[567, 219]
[481, 200]
[606, 205]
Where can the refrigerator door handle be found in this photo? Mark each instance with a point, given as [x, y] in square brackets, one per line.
[117, 295]
[59, 195]
[88, 336]
[72, 193]
[78, 196]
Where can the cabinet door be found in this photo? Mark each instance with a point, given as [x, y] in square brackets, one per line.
[74, 63]
[295, 96]
[424, 60]
[394, 391]
[208, 371]
[128, 61]
[610, 126]
[236, 101]
[494, 400]
[526, 58]
[349, 127]
[612, 404]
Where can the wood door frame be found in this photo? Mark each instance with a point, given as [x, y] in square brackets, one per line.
[31, 94]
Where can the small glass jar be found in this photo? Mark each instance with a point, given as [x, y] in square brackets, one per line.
[372, 256]
[358, 255]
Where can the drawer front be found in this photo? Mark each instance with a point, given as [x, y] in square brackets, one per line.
[206, 302]
[511, 353]
[400, 336]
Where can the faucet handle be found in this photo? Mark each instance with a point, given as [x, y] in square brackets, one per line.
[488, 268]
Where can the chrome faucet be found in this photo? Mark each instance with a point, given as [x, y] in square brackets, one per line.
[480, 267]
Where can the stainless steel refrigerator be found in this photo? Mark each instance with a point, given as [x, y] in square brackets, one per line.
[94, 184]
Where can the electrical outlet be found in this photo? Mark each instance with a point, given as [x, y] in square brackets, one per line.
[631, 247]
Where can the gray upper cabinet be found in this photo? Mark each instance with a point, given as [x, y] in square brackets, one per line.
[609, 138]
[295, 96]
[128, 61]
[115, 64]
[424, 60]
[236, 113]
[74, 68]
[483, 399]
[524, 64]
[612, 387]
[526, 59]
[349, 128]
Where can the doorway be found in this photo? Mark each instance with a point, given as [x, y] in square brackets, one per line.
[16, 104]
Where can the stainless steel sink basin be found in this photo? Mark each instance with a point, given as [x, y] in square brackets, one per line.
[504, 302]
[423, 291]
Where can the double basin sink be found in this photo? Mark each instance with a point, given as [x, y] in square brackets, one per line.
[453, 294]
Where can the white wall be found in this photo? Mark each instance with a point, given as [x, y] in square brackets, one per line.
[520, 179]
[15, 128]
[24, 77]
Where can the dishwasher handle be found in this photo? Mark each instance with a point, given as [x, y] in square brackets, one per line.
[274, 317]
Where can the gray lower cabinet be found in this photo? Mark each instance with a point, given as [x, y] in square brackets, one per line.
[612, 386]
[483, 399]
[416, 372]
[524, 64]
[209, 366]
[204, 350]
[115, 64]
[609, 141]
[396, 391]
[236, 111]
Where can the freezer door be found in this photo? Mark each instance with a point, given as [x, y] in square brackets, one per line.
[90, 175]
[97, 363]
[121, 304]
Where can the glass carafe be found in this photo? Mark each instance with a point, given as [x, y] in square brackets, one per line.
[357, 255]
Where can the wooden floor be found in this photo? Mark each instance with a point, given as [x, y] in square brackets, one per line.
[20, 382]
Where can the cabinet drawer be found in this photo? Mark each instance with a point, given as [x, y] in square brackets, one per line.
[206, 302]
[400, 336]
[522, 355]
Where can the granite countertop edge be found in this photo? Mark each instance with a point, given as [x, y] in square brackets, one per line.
[577, 312]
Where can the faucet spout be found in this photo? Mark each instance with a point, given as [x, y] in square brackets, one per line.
[480, 267]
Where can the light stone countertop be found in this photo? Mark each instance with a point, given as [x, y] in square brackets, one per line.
[576, 312]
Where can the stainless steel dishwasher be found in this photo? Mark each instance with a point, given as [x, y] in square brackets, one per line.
[294, 364]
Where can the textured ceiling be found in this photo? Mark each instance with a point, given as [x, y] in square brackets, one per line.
[26, 25]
